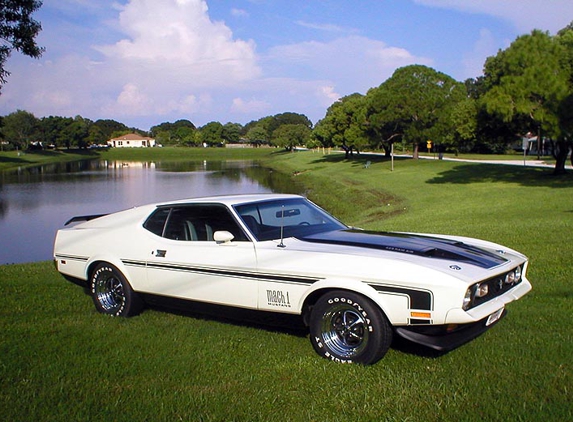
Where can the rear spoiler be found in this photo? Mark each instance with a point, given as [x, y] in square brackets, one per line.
[83, 218]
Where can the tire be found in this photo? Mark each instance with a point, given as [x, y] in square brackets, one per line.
[112, 294]
[348, 327]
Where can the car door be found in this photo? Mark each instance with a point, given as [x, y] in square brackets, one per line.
[186, 262]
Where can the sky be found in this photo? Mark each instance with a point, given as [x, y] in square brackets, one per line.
[145, 62]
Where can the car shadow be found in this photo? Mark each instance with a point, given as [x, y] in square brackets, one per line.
[266, 321]
[404, 346]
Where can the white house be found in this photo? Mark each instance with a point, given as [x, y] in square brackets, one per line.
[131, 140]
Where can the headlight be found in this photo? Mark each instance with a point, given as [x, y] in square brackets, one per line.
[488, 289]
[513, 276]
[482, 290]
[467, 299]
[518, 274]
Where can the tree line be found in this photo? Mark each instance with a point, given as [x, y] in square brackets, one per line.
[22, 130]
[526, 90]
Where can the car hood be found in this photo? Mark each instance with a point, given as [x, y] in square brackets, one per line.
[411, 244]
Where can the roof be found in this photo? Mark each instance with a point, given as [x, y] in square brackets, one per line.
[131, 137]
[233, 199]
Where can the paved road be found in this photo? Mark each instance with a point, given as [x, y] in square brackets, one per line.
[522, 163]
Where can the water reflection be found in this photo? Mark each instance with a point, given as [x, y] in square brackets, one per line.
[34, 202]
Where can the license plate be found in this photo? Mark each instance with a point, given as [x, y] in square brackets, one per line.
[494, 317]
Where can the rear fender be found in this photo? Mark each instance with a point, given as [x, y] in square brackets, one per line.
[94, 261]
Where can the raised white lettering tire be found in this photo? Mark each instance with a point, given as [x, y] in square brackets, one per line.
[112, 294]
[348, 327]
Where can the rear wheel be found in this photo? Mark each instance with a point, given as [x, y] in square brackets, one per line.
[111, 292]
[348, 327]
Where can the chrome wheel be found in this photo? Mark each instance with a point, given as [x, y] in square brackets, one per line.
[109, 293]
[344, 330]
[348, 327]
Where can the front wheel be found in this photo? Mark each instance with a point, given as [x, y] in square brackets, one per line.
[348, 327]
[112, 294]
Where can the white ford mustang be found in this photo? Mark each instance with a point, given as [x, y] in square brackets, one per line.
[281, 253]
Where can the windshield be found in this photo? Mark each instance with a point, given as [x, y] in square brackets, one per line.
[297, 217]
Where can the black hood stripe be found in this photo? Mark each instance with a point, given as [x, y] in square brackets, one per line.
[419, 245]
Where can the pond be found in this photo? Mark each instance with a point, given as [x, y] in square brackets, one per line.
[35, 202]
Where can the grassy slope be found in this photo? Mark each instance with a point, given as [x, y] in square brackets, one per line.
[59, 360]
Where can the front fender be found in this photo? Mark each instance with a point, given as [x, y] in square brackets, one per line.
[394, 305]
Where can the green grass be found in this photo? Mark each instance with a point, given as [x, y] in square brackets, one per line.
[14, 159]
[60, 360]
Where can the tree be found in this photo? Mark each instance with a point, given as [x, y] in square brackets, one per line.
[211, 133]
[457, 126]
[185, 135]
[290, 136]
[528, 81]
[490, 133]
[564, 144]
[231, 132]
[289, 118]
[269, 124]
[20, 128]
[257, 135]
[108, 127]
[182, 132]
[411, 103]
[343, 125]
[163, 137]
[18, 31]
[96, 136]
[52, 130]
[77, 132]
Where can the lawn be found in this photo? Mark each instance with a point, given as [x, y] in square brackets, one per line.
[61, 361]
[14, 159]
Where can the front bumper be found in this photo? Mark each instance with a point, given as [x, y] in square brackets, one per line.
[447, 337]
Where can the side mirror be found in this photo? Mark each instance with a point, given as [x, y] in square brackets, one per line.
[223, 236]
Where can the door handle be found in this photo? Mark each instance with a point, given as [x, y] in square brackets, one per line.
[159, 253]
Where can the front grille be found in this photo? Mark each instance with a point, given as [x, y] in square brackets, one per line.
[496, 287]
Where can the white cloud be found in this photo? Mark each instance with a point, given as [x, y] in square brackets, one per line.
[327, 95]
[171, 60]
[178, 35]
[191, 104]
[131, 101]
[256, 106]
[352, 64]
[526, 15]
[239, 13]
[168, 60]
[324, 27]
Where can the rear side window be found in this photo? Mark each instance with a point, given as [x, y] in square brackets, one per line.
[193, 223]
[156, 221]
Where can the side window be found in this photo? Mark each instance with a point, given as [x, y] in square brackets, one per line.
[179, 226]
[194, 223]
[156, 221]
[220, 218]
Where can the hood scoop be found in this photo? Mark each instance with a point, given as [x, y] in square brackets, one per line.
[418, 245]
